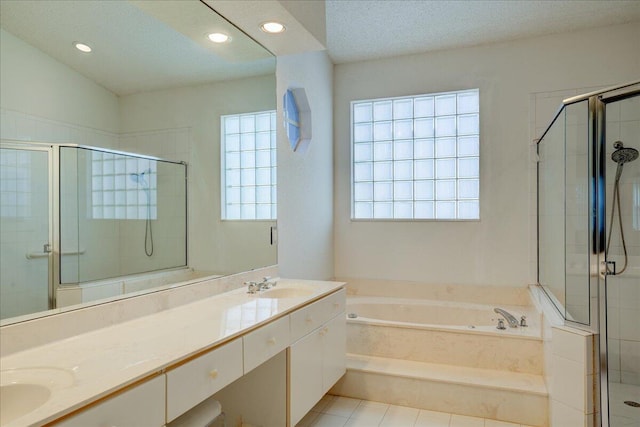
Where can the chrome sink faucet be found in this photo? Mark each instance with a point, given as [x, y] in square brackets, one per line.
[513, 322]
[253, 287]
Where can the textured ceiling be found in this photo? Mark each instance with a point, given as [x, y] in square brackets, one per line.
[137, 45]
[368, 29]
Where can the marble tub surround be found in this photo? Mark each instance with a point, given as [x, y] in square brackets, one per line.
[109, 359]
[422, 290]
[33, 330]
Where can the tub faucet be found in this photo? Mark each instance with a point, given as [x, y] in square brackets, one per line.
[513, 322]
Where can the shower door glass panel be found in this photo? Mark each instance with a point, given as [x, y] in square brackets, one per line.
[563, 214]
[24, 231]
[120, 215]
[623, 289]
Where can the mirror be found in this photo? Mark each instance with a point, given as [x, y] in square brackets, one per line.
[155, 86]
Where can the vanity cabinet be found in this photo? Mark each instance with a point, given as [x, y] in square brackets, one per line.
[142, 405]
[191, 383]
[318, 359]
[265, 342]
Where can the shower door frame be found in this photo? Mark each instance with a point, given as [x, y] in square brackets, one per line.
[53, 206]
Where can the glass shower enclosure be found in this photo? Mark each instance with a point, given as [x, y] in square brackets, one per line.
[589, 234]
[73, 215]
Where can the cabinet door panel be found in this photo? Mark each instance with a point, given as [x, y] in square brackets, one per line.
[305, 375]
[334, 351]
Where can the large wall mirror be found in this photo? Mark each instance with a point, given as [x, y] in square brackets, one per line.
[146, 162]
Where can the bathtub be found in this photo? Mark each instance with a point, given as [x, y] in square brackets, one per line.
[439, 315]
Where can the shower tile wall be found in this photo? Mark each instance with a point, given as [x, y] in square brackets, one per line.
[623, 298]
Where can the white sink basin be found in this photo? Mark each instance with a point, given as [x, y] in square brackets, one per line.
[286, 293]
[17, 400]
[23, 390]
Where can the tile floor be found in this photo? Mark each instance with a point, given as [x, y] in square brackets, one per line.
[336, 411]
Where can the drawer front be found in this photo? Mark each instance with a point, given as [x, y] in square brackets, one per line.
[142, 405]
[193, 382]
[312, 316]
[265, 342]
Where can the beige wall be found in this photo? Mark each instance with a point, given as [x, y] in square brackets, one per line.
[494, 250]
[305, 177]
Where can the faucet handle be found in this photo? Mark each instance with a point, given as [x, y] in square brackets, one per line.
[501, 324]
[253, 287]
[523, 322]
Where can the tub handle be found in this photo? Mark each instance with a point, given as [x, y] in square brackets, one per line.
[501, 324]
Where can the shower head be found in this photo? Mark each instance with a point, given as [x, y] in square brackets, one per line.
[139, 178]
[623, 155]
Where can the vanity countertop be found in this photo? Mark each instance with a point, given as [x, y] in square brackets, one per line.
[87, 367]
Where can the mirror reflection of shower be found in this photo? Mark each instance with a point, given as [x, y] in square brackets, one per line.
[621, 155]
[141, 180]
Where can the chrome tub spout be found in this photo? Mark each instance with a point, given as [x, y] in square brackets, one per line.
[513, 322]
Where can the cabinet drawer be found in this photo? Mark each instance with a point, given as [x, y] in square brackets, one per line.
[193, 382]
[312, 316]
[265, 342]
[142, 405]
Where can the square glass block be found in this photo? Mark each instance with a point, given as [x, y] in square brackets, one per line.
[424, 210]
[231, 124]
[142, 212]
[383, 210]
[274, 158]
[272, 116]
[469, 209]
[247, 123]
[423, 148]
[120, 182]
[403, 149]
[247, 141]
[468, 146]
[263, 122]
[445, 210]
[446, 126]
[263, 211]
[132, 197]
[363, 152]
[382, 131]
[402, 129]
[363, 191]
[403, 109]
[96, 167]
[445, 104]
[445, 190]
[445, 168]
[263, 158]
[362, 132]
[403, 169]
[132, 166]
[274, 140]
[423, 107]
[468, 189]
[445, 147]
[362, 112]
[383, 171]
[403, 190]
[248, 194]
[423, 169]
[423, 128]
[469, 167]
[108, 182]
[403, 210]
[97, 212]
[274, 211]
[363, 210]
[232, 211]
[263, 176]
[274, 194]
[468, 124]
[423, 190]
[108, 168]
[382, 110]
[120, 166]
[248, 176]
[248, 159]
[263, 195]
[468, 102]
[263, 140]
[121, 212]
[363, 172]
[96, 183]
[383, 191]
[248, 211]
[382, 151]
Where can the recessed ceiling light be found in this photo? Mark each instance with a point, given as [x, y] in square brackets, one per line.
[82, 47]
[272, 27]
[219, 37]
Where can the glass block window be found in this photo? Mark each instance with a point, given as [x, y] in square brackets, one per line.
[122, 187]
[249, 166]
[416, 157]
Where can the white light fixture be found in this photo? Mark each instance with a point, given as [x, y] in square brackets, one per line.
[219, 37]
[82, 47]
[272, 27]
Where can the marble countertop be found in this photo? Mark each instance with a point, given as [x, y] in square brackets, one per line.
[87, 367]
